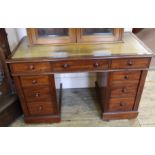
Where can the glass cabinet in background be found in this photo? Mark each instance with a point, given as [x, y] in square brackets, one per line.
[99, 35]
[51, 35]
[73, 35]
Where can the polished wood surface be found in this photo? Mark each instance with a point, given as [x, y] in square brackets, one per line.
[130, 63]
[121, 71]
[79, 66]
[27, 81]
[121, 104]
[31, 67]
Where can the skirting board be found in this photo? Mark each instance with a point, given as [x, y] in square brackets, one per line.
[77, 80]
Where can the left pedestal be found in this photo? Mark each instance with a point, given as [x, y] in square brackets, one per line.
[37, 92]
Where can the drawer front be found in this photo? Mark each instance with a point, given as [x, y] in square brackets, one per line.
[125, 77]
[31, 67]
[82, 65]
[121, 104]
[36, 94]
[27, 81]
[130, 63]
[40, 108]
[123, 91]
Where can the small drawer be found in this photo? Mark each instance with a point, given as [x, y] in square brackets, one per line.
[121, 104]
[27, 81]
[36, 94]
[31, 67]
[81, 65]
[130, 63]
[123, 91]
[125, 77]
[40, 108]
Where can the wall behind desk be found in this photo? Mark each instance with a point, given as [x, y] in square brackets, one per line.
[74, 80]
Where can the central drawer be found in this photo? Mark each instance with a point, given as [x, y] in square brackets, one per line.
[80, 65]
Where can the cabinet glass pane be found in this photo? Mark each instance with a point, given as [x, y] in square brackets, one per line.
[52, 32]
[97, 31]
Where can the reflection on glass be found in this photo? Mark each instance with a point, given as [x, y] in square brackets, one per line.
[97, 31]
[52, 32]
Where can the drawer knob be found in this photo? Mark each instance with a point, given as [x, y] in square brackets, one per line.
[126, 77]
[130, 63]
[31, 67]
[124, 90]
[96, 65]
[65, 66]
[122, 104]
[36, 94]
[34, 81]
[40, 108]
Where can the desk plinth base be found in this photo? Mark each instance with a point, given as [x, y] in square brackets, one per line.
[121, 115]
[43, 119]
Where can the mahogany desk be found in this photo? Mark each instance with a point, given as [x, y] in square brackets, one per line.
[121, 71]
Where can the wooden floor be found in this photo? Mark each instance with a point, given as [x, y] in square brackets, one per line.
[80, 108]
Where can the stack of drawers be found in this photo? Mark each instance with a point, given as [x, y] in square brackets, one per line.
[36, 89]
[37, 94]
[123, 89]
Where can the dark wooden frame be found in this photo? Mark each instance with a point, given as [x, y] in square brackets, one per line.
[116, 37]
[35, 40]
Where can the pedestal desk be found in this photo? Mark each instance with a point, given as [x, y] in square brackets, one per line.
[121, 69]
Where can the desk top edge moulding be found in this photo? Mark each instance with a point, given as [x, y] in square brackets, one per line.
[119, 59]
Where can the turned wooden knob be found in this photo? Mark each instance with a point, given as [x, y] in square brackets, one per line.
[40, 108]
[96, 65]
[65, 65]
[122, 104]
[34, 81]
[130, 63]
[124, 90]
[126, 77]
[36, 95]
[31, 67]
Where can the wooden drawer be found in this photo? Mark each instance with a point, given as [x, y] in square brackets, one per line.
[125, 77]
[40, 108]
[130, 63]
[123, 91]
[81, 65]
[121, 104]
[31, 67]
[27, 81]
[38, 93]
